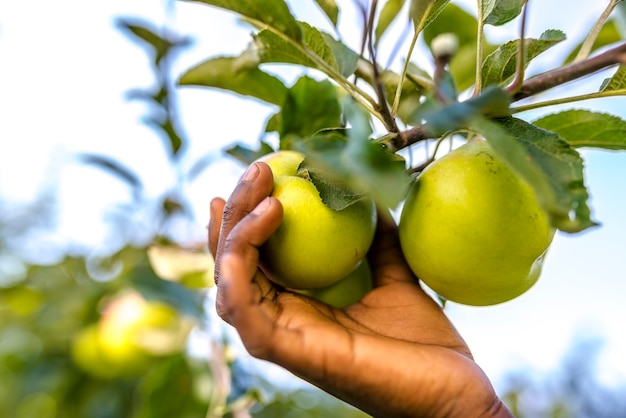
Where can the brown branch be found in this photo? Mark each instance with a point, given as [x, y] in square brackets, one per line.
[396, 141]
[559, 76]
[383, 107]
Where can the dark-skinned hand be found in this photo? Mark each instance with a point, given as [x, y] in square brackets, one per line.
[393, 354]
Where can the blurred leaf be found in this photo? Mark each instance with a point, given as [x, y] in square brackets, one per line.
[499, 67]
[246, 155]
[113, 167]
[152, 287]
[226, 73]
[166, 125]
[387, 15]
[308, 402]
[162, 44]
[617, 82]
[584, 128]
[158, 98]
[200, 165]
[610, 33]
[274, 14]
[310, 106]
[330, 8]
[169, 390]
[171, 206]
[492, 102]
[499, 12]
[548, 164]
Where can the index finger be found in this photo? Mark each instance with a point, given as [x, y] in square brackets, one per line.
[255, 185]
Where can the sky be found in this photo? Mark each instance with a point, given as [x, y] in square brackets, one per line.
[64, 73]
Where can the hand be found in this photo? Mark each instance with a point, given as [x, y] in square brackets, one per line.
[393, 354]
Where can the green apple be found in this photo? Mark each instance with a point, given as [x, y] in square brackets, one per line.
[472, 230]
[87, 353]
[315, 246]
[127, 338]
[346, 291]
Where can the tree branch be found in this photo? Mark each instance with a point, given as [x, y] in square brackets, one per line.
[554, 78]
[396, 141]
[383, 107]
[532, 86]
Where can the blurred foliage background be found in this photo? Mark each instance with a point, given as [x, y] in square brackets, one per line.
[127, 334]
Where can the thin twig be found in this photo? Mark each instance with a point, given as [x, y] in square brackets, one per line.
[417, 29]
[566, 100]
[478, 85]
[559, 76]
[586, 47]
[518, 82]
[383, 107]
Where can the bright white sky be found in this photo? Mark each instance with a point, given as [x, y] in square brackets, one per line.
[64, 70]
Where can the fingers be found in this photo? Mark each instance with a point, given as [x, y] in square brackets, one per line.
[255, 185]
[215, 223]
[243, 292]
[252, 231]
[385, 256]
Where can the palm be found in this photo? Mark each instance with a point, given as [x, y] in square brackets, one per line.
[397, 308]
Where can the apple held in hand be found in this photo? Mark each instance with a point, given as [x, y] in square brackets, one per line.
[315, 246]
[346, 291]
[472, 230]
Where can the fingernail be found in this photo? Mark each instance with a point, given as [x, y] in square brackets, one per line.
[262, 207]
[251, 173]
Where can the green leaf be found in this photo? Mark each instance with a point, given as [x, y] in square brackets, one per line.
[352, 158]
[584, 128]
[423, 12]
[499, 67]
[274, 14]
[226, 73]
[335, 194]
[330, 8]
[246, 155]
[453, 19]
[347, 60]
[387, 15]
[617, 82]
[271, 48]
[548, 163]
[492, 102]
[499, 12]
[310, 106]
[152, 287]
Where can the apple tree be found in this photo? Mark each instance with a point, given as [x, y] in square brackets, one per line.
[358, 121]
[358, 118]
